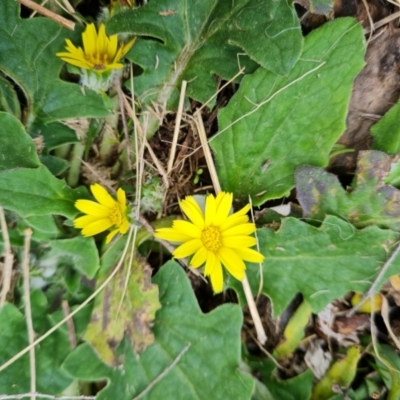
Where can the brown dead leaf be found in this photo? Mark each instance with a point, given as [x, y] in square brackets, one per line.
[376, 90]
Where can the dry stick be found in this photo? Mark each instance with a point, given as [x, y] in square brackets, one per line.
[28, 309]
[165, 372]
[87, 301]
[44, 396]
[371, 290]
[177, 127]
[261, 335]
[382, 22]
[207, 152]
[8, 259]
[49, 14]
[70, 324]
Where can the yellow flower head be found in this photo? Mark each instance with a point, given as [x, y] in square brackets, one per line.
[106, 214]
[214, 237]
[100, 53]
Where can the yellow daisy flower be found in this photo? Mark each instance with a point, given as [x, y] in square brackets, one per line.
[104, 215]
[214, 237]
[100, 52]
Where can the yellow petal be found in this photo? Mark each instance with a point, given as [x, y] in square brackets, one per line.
[250, 255]
[187, 228]
[224, 208]
[188, 248]
[238, 242]
[89, 38]
[112, 48]
[213, 269]
[210, 210]
[123, 228]
[199, 258]
[102, 196]
[192, 211]
[81, 222]
[96, 227]
[232, 262]
[233, 220]
[242, 211]
[112, 66]
[78, 63]
[111, 235]
[92, 208]
[171, 235]
[102, 41]
[219, 198]
[242, 229]
[127, 47]
[121, 196]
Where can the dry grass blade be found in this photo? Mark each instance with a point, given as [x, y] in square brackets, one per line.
[177, 127]
[70, 324]
[8, 259]
[382, 22]
[28, 309]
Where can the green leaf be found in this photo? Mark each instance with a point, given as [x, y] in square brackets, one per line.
[33, 192]
[202, 38]
[8, 98]
[386, 131]
[134, 318]
[297, 388]
[294, 330]
[341, 373]
[393, 177]
[56, 165]
[322, 263]
[274, 124]
[370, 202]
[44, 227]
[54, 134]
[17, 147]
[80, 252]
[199, 352]
[388, 366]
[27, 56]
[49, 355]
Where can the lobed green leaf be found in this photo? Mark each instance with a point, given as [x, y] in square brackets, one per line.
[274, 124]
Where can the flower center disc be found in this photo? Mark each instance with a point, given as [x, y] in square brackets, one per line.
[115, 215]
[211, 238]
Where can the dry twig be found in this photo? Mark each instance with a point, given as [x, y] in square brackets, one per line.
[177, 127]
[49, 14]
[28, 309]
[8, 259]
